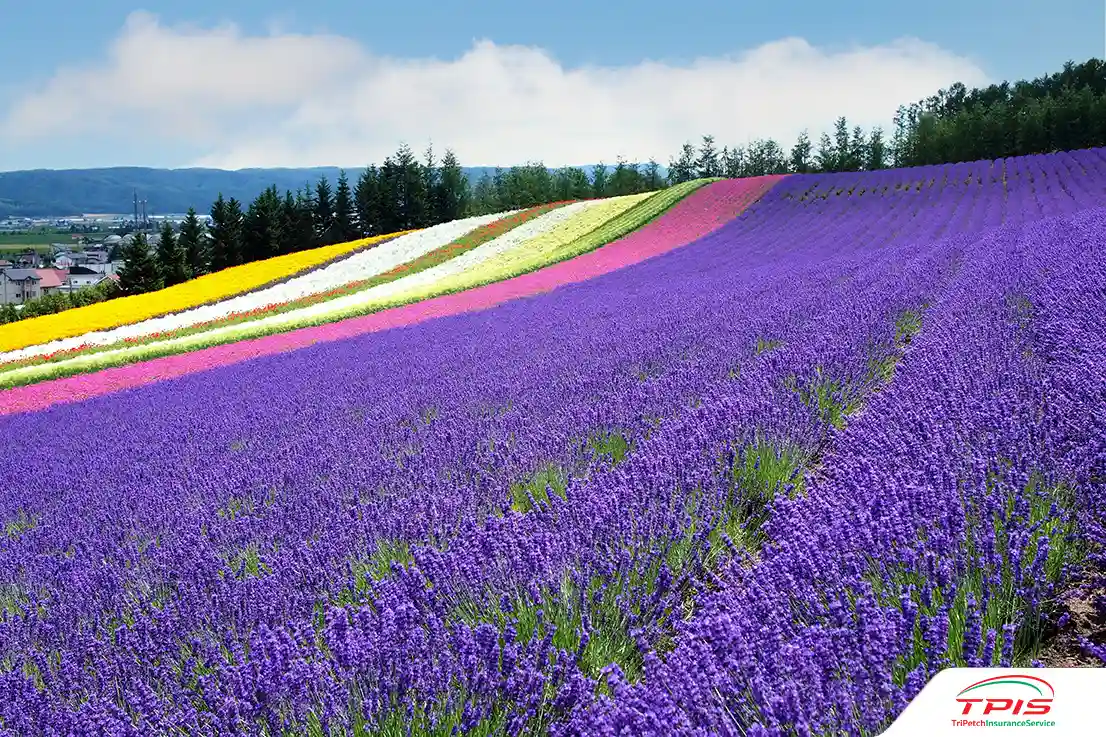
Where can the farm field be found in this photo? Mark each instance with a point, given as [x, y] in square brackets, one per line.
[16, 242]
[757, 457]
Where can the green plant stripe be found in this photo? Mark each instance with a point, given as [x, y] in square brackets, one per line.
[438, 256]
[636, 217]
[996, 683]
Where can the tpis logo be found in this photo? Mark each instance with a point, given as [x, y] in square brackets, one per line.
[1007, 695]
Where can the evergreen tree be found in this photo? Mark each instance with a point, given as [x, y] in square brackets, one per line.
[826, 158]
[414, 206]
[707, 163]
[172, 264]
[366, 197]
[193, 241]
[682, 168]
[651, 177]
[301, 234]
[235, 220]
[453, 190]
[841, 144]
[139, 272]
[289, 219]
[484, 198]
[799, 160]
[733, 162]
[599, 182]
[324, 213]
[221, 256]
[571, 183]
[261, 232]
[858, 151]
[430, 177]
[345, 214]
[626, 178]
[876, 152]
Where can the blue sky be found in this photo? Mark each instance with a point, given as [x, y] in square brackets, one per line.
[385, 41]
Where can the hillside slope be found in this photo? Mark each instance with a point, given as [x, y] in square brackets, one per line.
[767, 481]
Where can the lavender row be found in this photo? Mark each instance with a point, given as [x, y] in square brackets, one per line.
[944, 520]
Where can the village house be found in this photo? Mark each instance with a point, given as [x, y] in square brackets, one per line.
[83, 276]
[51, 280]
[19, 285]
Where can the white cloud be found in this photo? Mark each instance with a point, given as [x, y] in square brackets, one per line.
[287, 99]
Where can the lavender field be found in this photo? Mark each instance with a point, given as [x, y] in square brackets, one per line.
[766, 483]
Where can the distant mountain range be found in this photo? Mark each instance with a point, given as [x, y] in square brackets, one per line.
[62, 192]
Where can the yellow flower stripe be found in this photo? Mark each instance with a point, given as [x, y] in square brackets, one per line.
[200, 291]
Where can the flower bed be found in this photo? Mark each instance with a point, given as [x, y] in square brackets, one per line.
[195, 292]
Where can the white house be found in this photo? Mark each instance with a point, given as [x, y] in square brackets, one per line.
[83, 276]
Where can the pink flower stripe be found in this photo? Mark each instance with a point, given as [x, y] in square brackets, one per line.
[701, 212]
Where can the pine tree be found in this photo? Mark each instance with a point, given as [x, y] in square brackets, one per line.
[599, 182]
[484, 199]
[430, 178]
[651, 177]
[707, 163]
[288, 218]
[303, 236]
[825, 159]
[626, 178]
[172, 264]
[841, 144]
[324, 213]
[193, 241]
[858, 150]
[413, 206]
[366, 198]
[799, 161]
[139, 272]
[345, 214]
[571, 183]
[261, 236]
[877, 153]
[234, 221]
[682, 168]
[221, 256]
[453, 189]
[733, 163]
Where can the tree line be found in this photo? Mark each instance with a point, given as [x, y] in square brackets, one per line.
[1062, 111]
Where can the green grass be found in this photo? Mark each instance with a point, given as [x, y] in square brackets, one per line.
[757, 473]
[608, 447]
[533, 493]
[38, 240]
[22, 522]
[764, 346]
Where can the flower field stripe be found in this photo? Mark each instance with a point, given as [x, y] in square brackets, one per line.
[195, 292]
[366, 264]
[586, 220]
[452, 258]
[543, 252]
[558, 227]
[76, 380]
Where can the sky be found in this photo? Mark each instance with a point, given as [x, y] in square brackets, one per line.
[343, 82]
